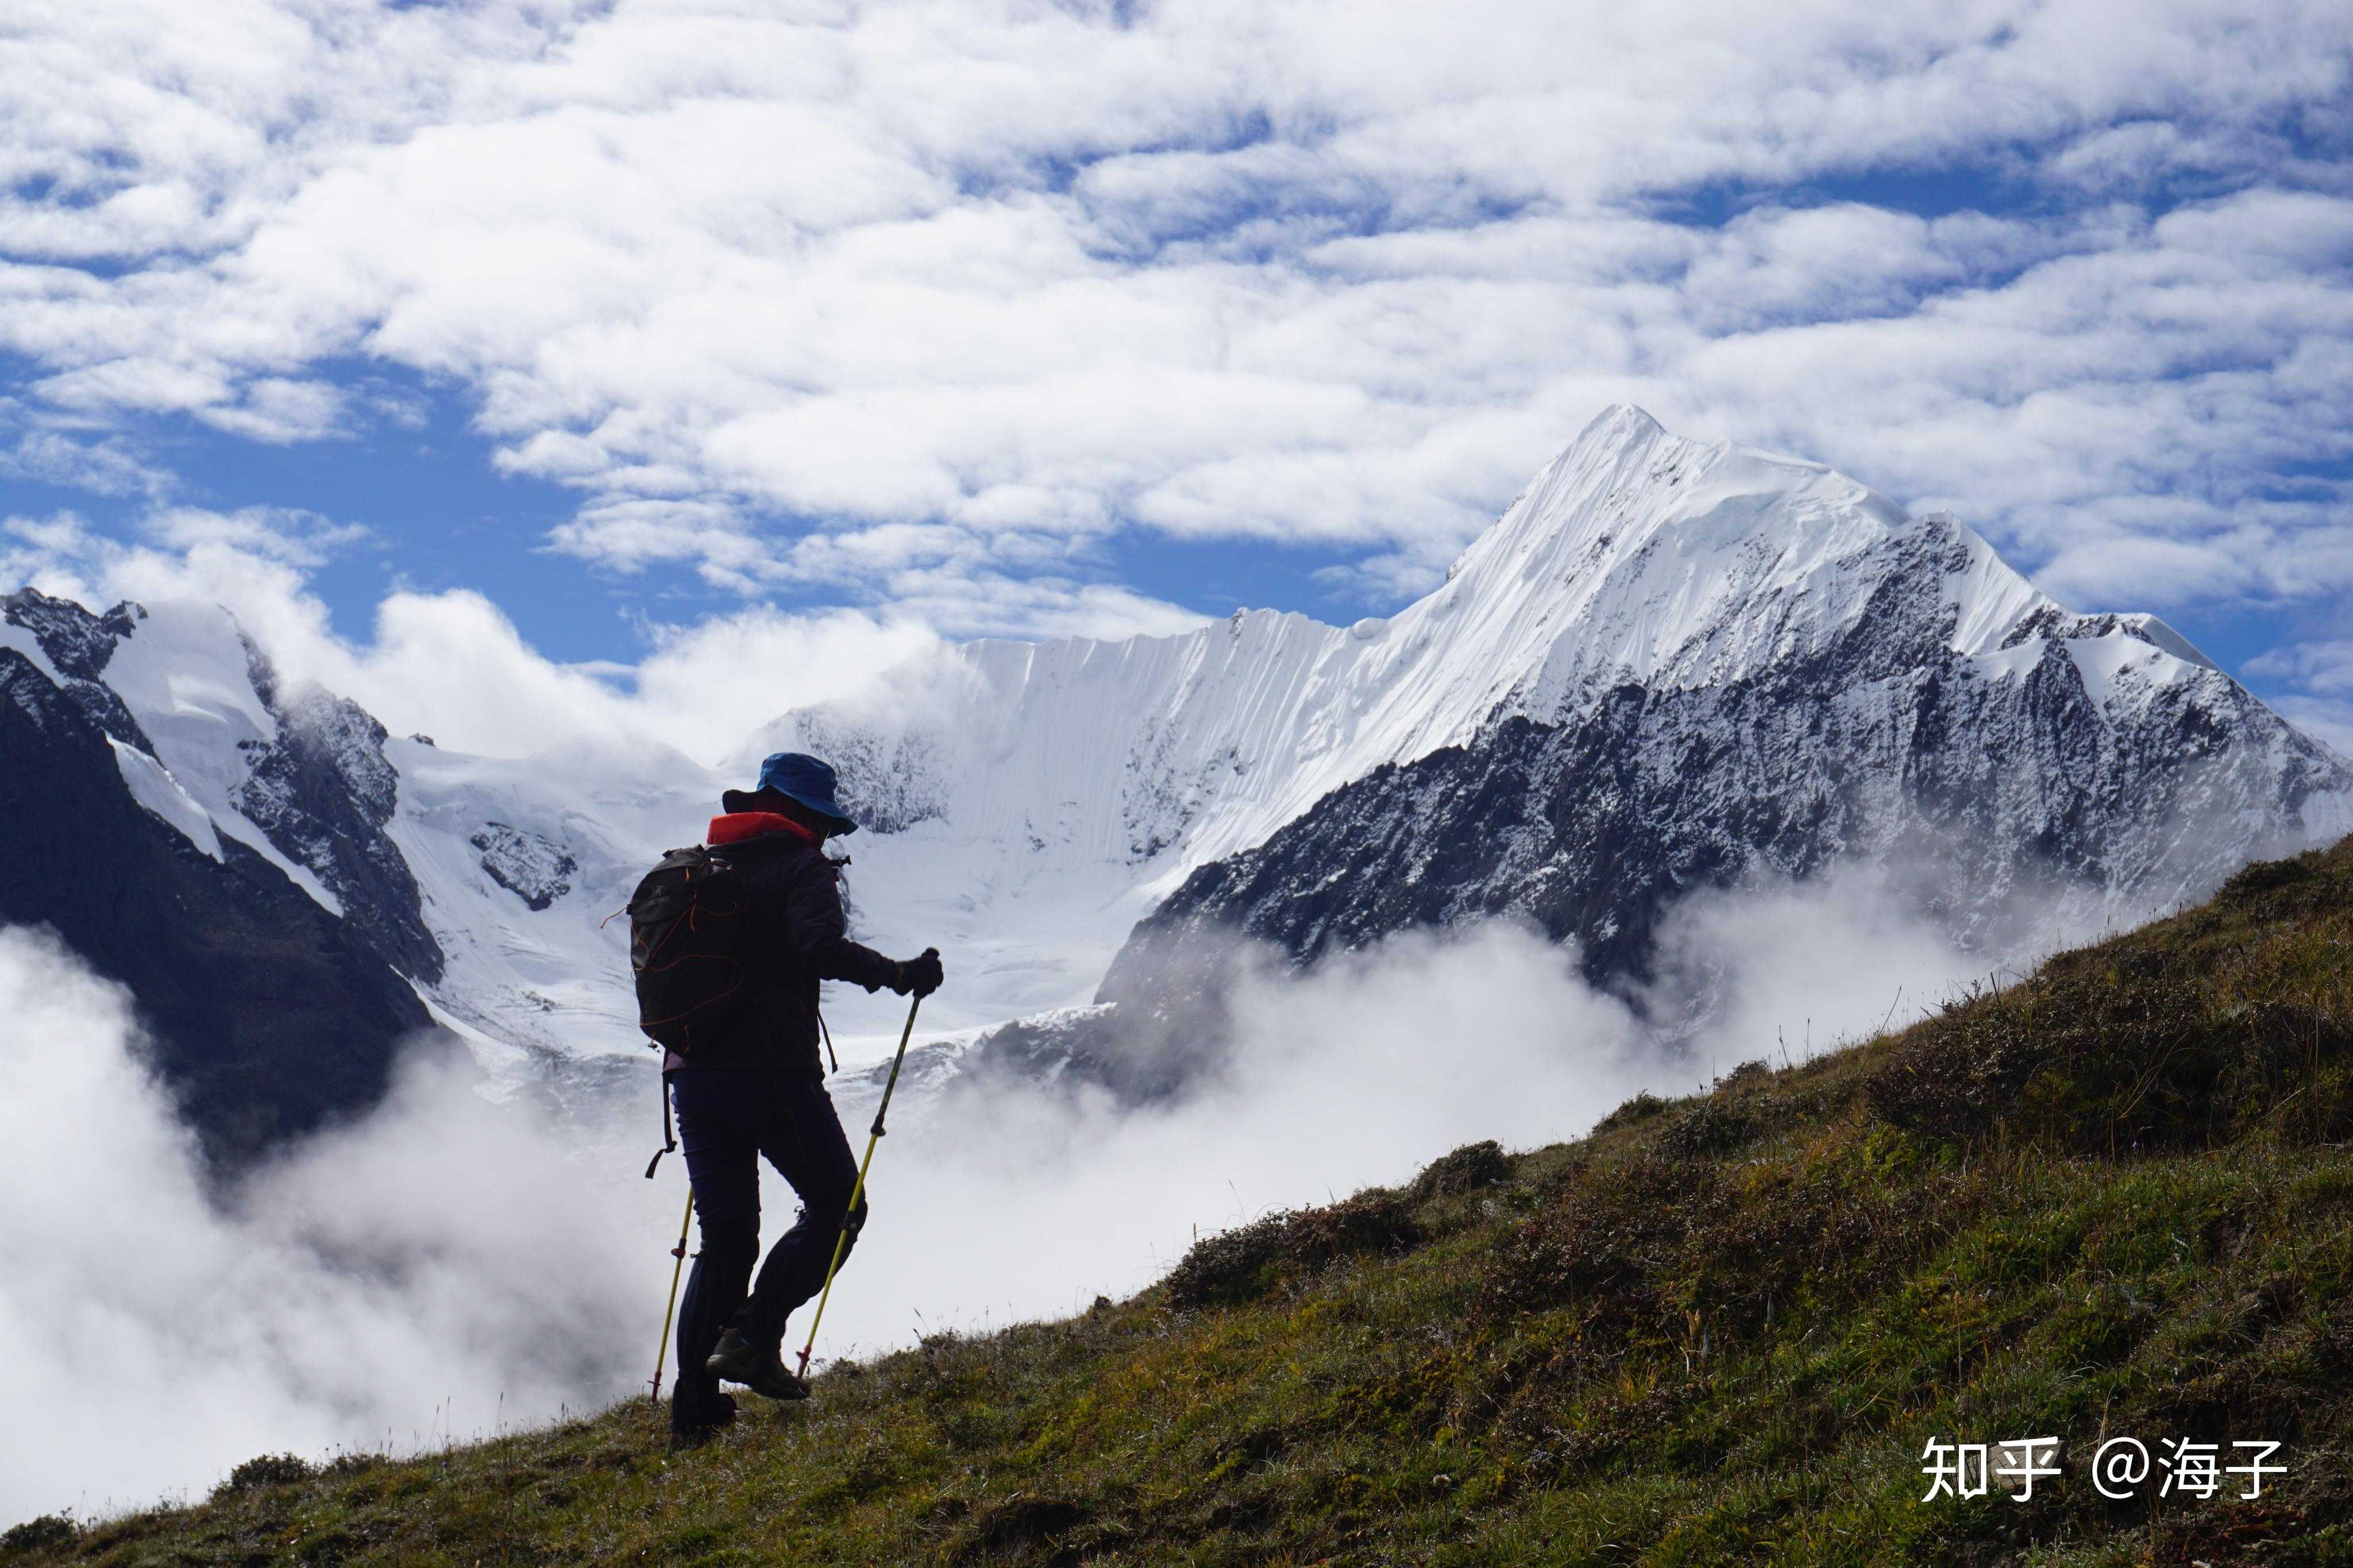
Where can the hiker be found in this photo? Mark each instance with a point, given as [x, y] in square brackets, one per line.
[759, 1093]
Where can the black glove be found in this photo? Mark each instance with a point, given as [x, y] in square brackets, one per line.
[920, 976]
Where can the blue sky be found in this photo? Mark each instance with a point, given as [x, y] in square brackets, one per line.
[634, 317]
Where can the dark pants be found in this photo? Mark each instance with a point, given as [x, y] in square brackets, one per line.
[729, 1119]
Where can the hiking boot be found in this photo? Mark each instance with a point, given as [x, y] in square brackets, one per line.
[761, 1371]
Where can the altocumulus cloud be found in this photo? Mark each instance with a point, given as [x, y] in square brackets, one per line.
[925, 302]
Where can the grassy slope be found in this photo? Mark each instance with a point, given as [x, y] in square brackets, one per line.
[2117, 1197]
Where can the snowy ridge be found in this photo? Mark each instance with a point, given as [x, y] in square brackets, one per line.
[1028, 804]
[207, 743]
[1636, 558]
[265, 954]
[531, 963]
[182, 673]
[153, 787]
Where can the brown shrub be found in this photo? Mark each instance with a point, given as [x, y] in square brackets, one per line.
[1244, 1263]
[47, 1534]
[1641, 1108]
[2121, 1050]
[1709, 1128]
[1674, 1249]
[265, 1470]
[1466, 1170]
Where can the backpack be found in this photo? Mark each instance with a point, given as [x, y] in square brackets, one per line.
[689, 921]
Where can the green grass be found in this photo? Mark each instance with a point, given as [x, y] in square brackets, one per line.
[2115, 1198]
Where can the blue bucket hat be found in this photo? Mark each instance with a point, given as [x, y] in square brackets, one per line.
[798, 776]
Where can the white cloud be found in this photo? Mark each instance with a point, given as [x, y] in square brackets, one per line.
[278, 533]
[1780, 971]
[100, 465]
[771, 285]
[2323, 669]
[253, 556]
[362, 1293]
[453, 666]
[2318, 677]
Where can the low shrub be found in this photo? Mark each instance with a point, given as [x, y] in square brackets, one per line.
[2134, 1053]
[1231, 1267]
[265, 1470]
[1640, 1108]
[1375, 1221]
[1707, 1129]
[1756, 1071]
[1669, 1246]
[1466, 1170]
[45, 1534]
[1244, 1263]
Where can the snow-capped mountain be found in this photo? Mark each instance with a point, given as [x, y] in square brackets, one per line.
[1636, 562]
[1707, 661]
[1670, 665]
[187, 839]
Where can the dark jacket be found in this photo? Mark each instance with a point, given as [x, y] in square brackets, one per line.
[798, 937]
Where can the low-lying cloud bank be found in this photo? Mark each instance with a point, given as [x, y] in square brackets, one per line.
[382, 1284]
[449, 1265]
[1008, 1203]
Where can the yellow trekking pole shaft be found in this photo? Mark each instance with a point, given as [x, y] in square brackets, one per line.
[873, 1136]
[661, 1352]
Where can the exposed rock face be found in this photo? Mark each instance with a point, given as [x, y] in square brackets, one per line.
[78, 646]
[77, 642]
[266, 1015]
[305, 768]
[2003, 791]
[524, 864]
[1713, 665]
[323, 793]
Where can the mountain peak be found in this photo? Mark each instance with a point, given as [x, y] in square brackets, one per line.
[73, 640]
[1618, 425]
[1641, 578]
[1668, 661]
[1639, 557]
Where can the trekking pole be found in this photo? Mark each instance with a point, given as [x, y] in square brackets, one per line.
[873, 1136]
[662, 1353]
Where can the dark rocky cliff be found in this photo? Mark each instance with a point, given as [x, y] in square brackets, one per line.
[267, 1016]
